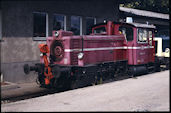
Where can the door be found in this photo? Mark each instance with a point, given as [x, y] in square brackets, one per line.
[128, 32]
[143, 48]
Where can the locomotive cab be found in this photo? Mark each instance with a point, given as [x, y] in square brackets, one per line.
[140, 46]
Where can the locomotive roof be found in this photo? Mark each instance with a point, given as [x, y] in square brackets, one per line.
[132, 24]
[142, 25]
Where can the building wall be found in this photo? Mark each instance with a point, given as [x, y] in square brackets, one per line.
[15, 52]
[18, 46]
[18, 14]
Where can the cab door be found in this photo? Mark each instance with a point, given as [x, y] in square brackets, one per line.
[142, 47]
[128, 32]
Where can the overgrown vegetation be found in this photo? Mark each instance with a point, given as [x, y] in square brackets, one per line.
[161, 6]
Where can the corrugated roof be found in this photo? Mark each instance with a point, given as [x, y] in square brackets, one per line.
[144, 13]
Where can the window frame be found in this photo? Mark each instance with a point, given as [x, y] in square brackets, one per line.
[81, 32]
[97, 27]
[126, 26]
[64, 19]
[150, 42]
[47, 27]
[90, 18]
[138, 36]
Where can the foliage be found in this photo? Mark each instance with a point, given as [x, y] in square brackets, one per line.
[161, 6]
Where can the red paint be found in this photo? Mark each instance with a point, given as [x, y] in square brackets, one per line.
[97, 47]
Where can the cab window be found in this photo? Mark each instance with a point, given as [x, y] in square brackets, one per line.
[100, 30]
[127, 32]
[150, 34]
[142, 35]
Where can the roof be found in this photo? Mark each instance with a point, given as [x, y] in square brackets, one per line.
[143, 25]
[144, 13]
[132, 24]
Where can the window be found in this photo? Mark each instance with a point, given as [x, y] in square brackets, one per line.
[142, 35]
[127, 32]
[101, 29]
[150, 33]
[165, 44]
[89, 22]
[59, 22]
[76, 25]
[156, 46]
[40, 28]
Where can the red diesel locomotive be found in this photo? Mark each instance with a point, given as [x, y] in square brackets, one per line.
[111, 49]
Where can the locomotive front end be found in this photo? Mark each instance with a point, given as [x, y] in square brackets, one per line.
[51, 55]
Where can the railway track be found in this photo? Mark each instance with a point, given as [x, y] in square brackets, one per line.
[10, 99]
[5, 100]
[27, 96]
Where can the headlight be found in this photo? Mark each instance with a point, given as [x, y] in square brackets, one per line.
[56, 33]
[167, 50]
[41, 54]
[80, 55]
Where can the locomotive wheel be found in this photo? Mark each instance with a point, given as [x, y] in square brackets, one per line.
[101, 80]
[95, 82]
[157, 67]
[73, 83]
[98, 79]
[56, 71]
[167, 66]
[130, 72]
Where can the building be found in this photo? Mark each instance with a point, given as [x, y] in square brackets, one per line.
[26, 23]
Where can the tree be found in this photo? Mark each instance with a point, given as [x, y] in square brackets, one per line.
[161, 6]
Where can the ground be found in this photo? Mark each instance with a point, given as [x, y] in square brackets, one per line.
[144, 93]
